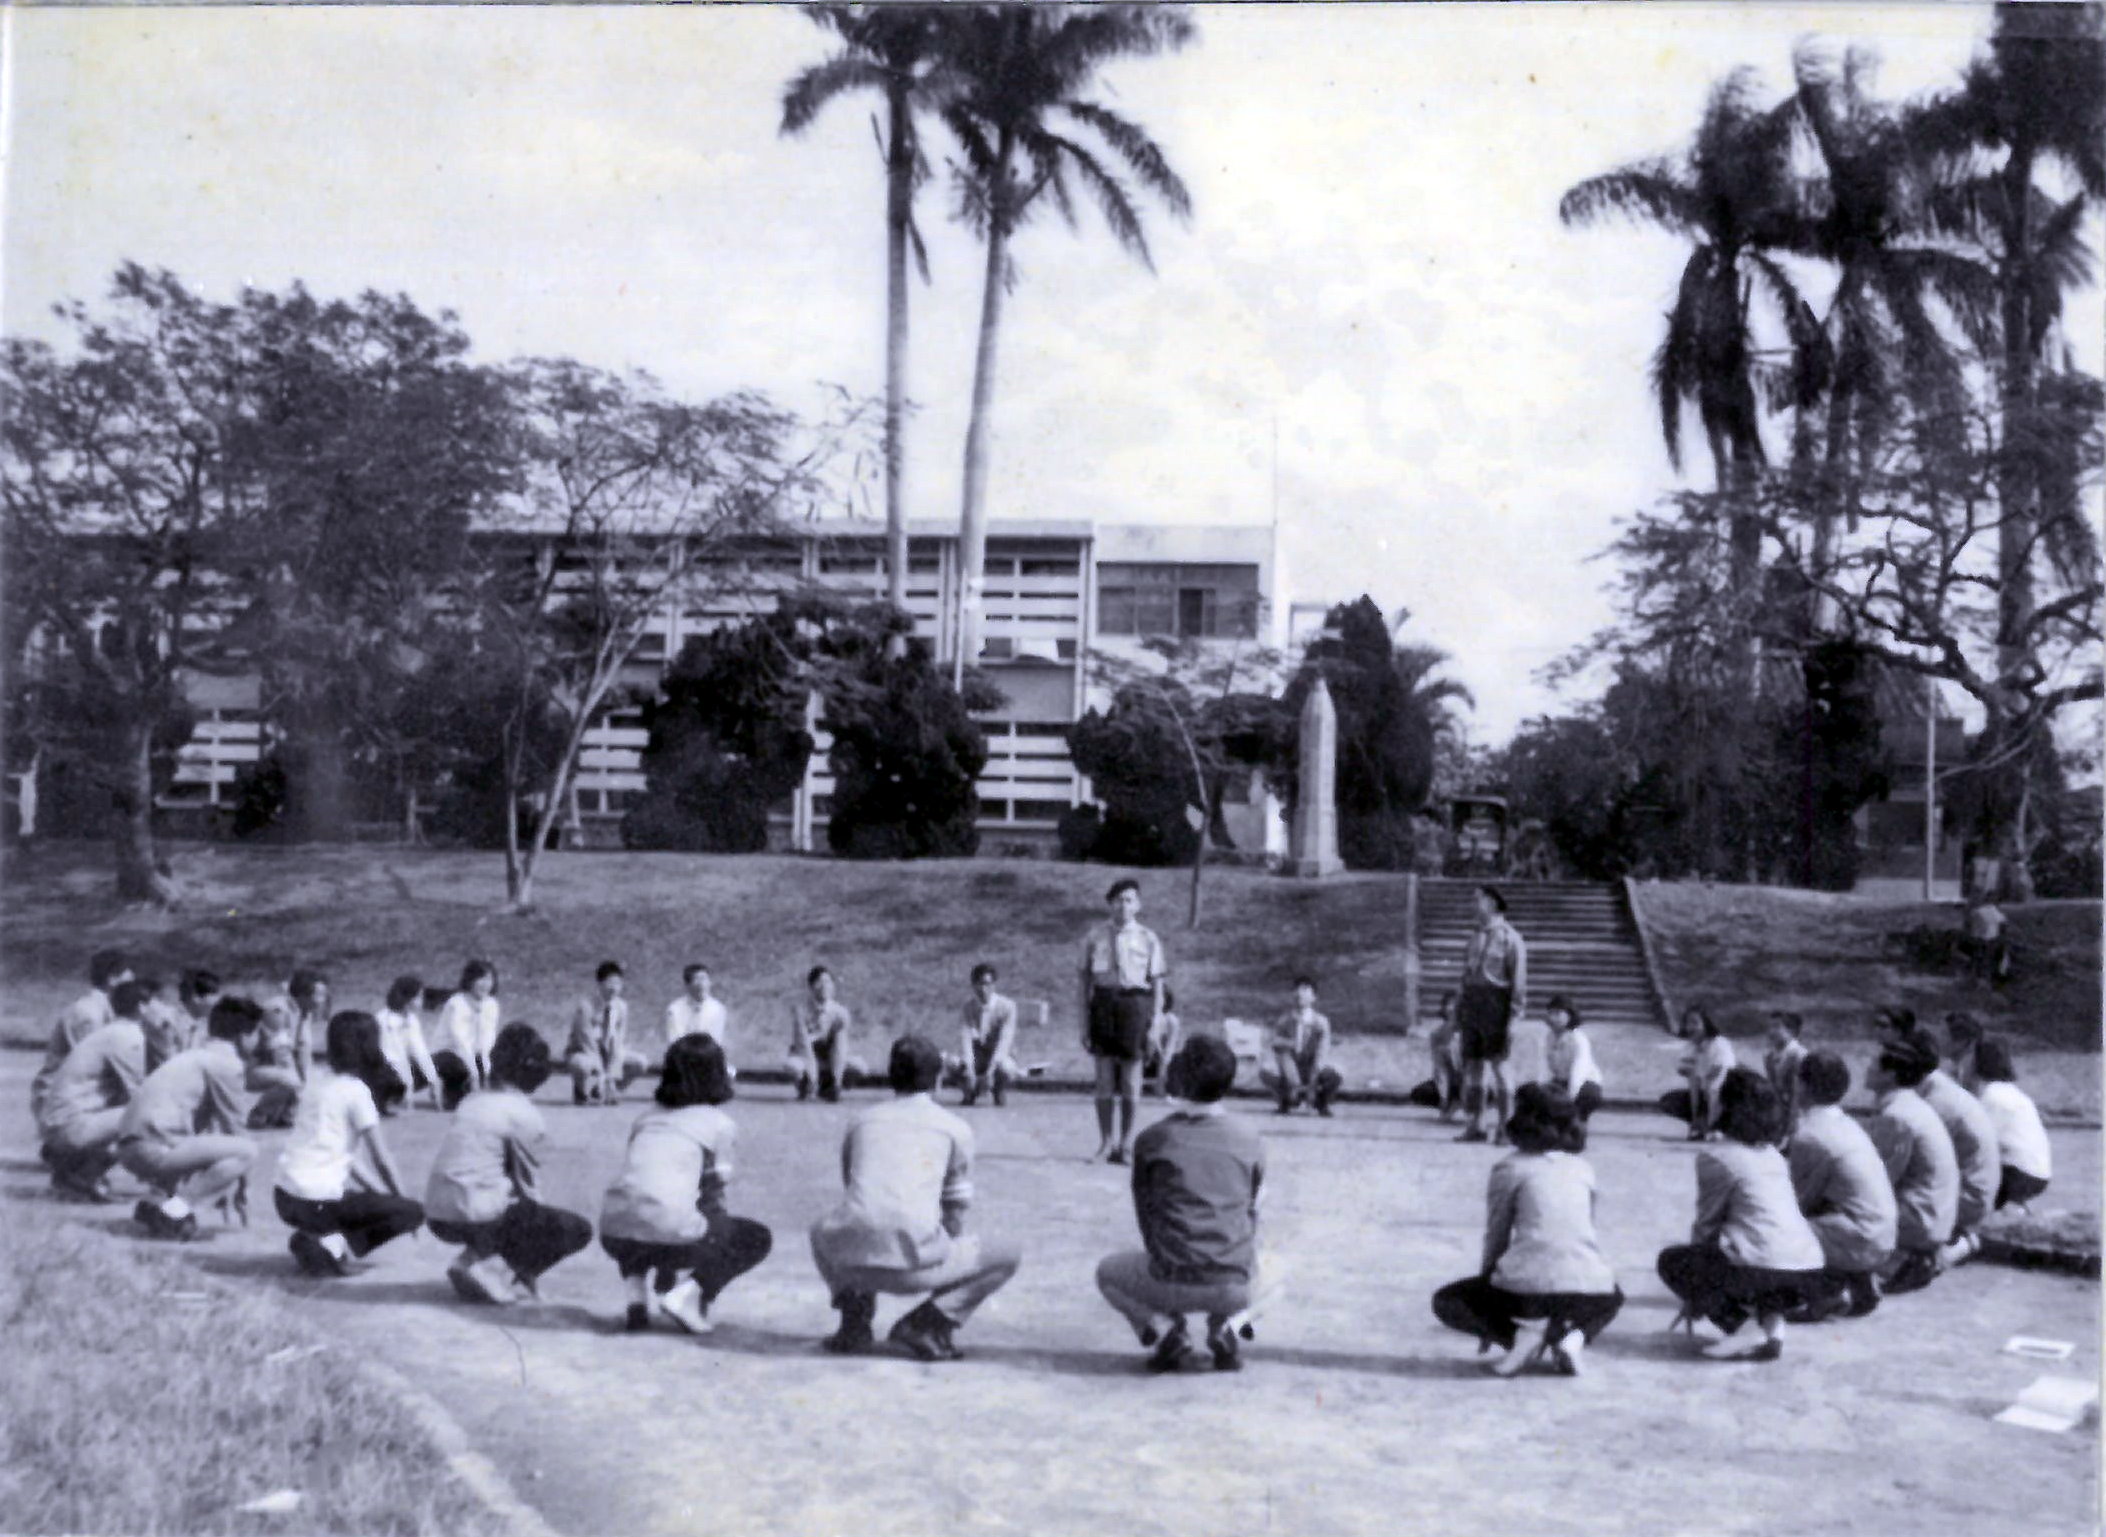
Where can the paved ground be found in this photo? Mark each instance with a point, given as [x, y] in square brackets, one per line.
[1357, 1414]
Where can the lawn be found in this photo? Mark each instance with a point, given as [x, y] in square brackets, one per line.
[140, 1396]
[902, 937]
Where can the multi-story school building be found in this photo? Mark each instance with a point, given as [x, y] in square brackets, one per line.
[1054, 594]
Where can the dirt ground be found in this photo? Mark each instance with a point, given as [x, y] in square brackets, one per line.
[1357, 1412]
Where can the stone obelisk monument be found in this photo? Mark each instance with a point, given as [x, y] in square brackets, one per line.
[1316, 793]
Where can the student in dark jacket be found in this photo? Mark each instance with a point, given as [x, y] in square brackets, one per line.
[1197, 1174]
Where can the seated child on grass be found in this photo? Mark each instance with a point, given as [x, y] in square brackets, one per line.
[598, 1056]
[1197, 1175]
[337, 1186]
[907, 1166]
[1301, 1070]
[85, 1102]
[1573, 1070]
[820, 1027]
[1543, 1281]
[181, 1132]
[2028, 1162]
[1750, 1249]
[484, 1191]
[1706, 1061]
[1920, 1162]
[666, 1212]
[1842, 1188]
[402, 1040]
[987, 1041]
[81, 1019]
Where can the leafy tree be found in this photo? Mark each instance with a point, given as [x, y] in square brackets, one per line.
[1392, 712]
[124, 512]
[1029, 130]
[1833, 762]
[899, 52]
[727, 738]
[1569, 773]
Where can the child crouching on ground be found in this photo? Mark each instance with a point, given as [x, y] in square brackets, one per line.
[1301, 1055]
[987, 1040]
[1843, 1189]
[1573, 1070]
[85, 1102]
[1750, 1250]
[2021, 1141]
[1197, 1174]
[666, 1212]
[483, 1193]
[1543, 1281]
[598, 1056]
[337, 1187]
[181, 1132]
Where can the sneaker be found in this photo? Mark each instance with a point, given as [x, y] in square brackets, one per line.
[490, 1280]
[315, 1258]
[1116, 1155]
[1001, 1094]
[1571, 1352]
[1864, 1296]
[1734, 1346]
[804, 1089]
[685, 1306]
[1323, 1108]
[854, 1335]
[1820, 1310]
[1172, 1351]
[1528, 1343]
[638, 1318]
[464, 1286]
[1222, 1345]
[1771, 1349]
[925, 1334]
[150, 1217]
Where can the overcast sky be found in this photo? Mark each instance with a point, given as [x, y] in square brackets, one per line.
[1374, 276]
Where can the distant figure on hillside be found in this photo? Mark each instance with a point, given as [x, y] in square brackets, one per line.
[1123, 967]
[1494, 993]
[820, 1026]
[1987, 950]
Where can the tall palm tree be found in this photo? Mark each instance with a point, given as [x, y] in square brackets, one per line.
[1868, 216]
[2037, 98]
[1731, 193]
[897, 51]
[1030, 130]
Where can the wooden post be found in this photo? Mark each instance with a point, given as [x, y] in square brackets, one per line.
[1411, 951]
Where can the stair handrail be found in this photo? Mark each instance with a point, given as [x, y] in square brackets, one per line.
[1645, 950]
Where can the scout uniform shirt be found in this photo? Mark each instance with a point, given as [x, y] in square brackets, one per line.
[1123, 959]
[1497, 957]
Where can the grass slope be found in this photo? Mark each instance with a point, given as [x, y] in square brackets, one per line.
[141, 1397]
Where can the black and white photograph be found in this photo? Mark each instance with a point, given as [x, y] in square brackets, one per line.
[1087, 770]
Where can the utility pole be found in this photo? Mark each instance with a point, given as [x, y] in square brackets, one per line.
[1930, 785]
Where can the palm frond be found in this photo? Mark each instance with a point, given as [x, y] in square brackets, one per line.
[1645, 192]
[811, 89]
[1113, 201]
[1138, 150]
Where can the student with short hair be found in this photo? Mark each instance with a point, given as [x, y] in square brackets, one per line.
[1573, 1070]
[81, 1018]
[697, 1011]
[197, 991]
[1543, 1283]
[1197, 1176]
[907, 1169]
[1843, 1190]
[181, 1133]
[1974, 1144]
[484, 1191]
[1786, 1051]
[2021, 1139]
[1920, 1162]
[1301, 1055]
[665, 1213]
[402, 1040]
[1494, 995]
[1750, 1250]
[468, 1025]
[336, 1157]
[598, 1056]
[820, 1029]
[167, 1027]
[85, 1103]
[987, 1040]
[1122, 1003]
[284, 1053]
[1706, 1061]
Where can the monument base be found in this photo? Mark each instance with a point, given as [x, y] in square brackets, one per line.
[1316, 869]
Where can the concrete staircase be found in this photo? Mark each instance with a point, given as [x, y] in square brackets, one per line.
[1581, 942]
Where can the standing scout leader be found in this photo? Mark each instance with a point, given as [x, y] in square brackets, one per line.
[1122, 998]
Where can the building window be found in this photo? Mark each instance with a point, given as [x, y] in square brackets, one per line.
[1040, 810]
[1187, 600]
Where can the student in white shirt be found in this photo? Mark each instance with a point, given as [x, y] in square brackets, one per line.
[987, 1039]
[666, 1211]
[598, 1055]
[468, 1028]
[1705, 1063]
[900, 1228]
[2028, 1162]
[1573, 1070]
[697, 1012]
[337, 1186]
[402, 1039]
[81, 1019]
